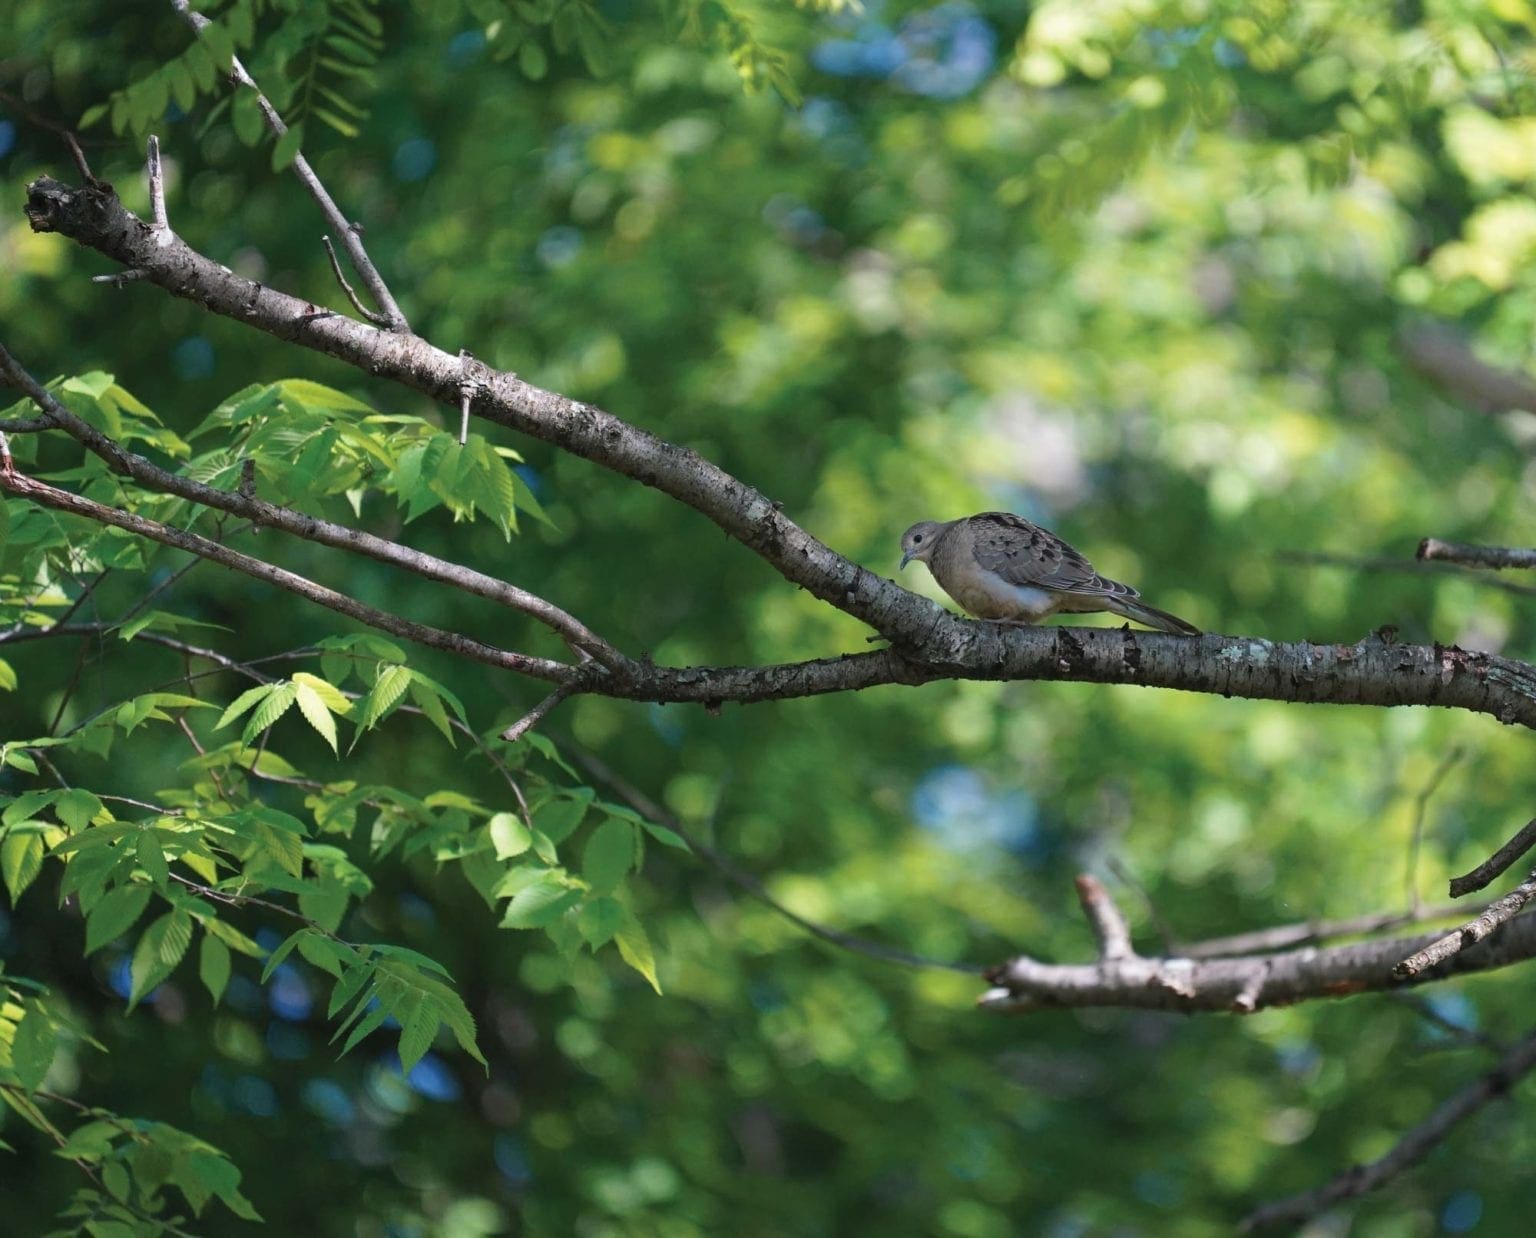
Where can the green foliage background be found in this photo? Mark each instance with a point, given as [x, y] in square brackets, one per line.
[1146, 274]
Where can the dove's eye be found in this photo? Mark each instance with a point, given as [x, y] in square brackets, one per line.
[916, 538]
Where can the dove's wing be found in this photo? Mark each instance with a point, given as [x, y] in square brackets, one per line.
[1022, 553]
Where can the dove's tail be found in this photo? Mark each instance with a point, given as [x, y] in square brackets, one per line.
[1135, 608]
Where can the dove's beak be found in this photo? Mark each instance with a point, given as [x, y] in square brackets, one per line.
[906, 558]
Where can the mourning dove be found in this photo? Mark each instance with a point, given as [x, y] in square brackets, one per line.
[1001, 566]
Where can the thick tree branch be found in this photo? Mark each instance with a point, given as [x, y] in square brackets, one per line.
[1412, 1147]
[929, 643]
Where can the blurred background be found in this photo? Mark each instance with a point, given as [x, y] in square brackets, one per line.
[1171, 278]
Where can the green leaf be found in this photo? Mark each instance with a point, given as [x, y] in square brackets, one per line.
[159, 950]
[213, 966]
[7, 676]
[635, 949]
[315, 712]
[152, 858]
[509, 835]
[246, 700]
[21, 859]
[559, 818]
[383, 696]
[32, 1046]
[272, 707]
[599, 919]
[609, 855]
[116, 913]
[538, 904]
[417, 1035]
[287, 147]
[77, 808]
[274, 960]
[26, 805]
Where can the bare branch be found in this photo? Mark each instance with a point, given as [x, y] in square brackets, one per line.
[377, 319]
[118, 278]
[1286, 936]
[1497, 863]
[1496, 913]
[1411, 567]
[1245, 983]
[157, 186]
[537, 714]
[349, 232]
[1105, 918]
[1499, 558]
[1411, 1148]
[1420, 809]
[1443, 356]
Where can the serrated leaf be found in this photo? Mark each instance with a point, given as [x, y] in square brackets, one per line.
[275, 959]
[152, 858]
[118, 911]
[417, 1035]
[213, 966]
[26, 805]
[315, 713]
[609, 855]
[21, 859]
[383, 696]
[159, 950]
[77, 808]
[246, 700]
[667, 838]
[272, 707]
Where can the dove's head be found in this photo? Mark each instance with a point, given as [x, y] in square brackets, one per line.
[918, 541]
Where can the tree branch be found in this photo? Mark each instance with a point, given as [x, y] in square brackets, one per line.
[1496, 557]
[929, 642]
[1412, 1147]
[1497, 863]
[350, 233]
[1243, 983]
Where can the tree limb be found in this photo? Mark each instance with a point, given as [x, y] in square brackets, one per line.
[1412, 1147]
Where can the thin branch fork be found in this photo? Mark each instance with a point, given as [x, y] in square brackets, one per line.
[1473, 931]
[350, 233]
[1411, 1148]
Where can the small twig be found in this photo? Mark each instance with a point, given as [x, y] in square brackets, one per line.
[1466, 1035]
[1288, 936]
[1160, 923]
[1420, 809]
[1473, 931]
[350, 233]
[1496, 557]
[378, 320]
[537, 714]
[1105, 918]
[157, 187]
[1412, 1147]
[1380, 563]
[119, 278]
[750, 884]
[52, 126]
[1497, 863]
[466, 394]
